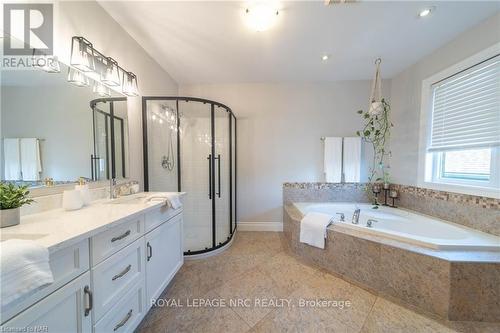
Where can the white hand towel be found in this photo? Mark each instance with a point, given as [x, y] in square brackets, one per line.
[333, 160]
[12, 159]
[31, 165]
[313, 229]
[24, 268]
[173, 199]
[352, 159]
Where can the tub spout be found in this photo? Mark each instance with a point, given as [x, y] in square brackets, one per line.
[355, 216]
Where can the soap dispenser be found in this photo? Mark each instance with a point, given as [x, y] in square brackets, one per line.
[84, 191]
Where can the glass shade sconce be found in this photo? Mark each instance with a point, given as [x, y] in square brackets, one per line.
[129, 87]
[77, 78]
[110, 72]
[49, 64]
[87, 62]
[82, 54]
[101, 90]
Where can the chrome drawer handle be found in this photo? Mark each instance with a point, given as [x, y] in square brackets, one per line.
[117, 238]
[119, 275]
[88, 300]
[150, 251]
[124, 320]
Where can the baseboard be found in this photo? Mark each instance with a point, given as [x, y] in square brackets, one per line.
[260, 226]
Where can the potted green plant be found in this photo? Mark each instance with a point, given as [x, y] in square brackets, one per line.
[12, 197]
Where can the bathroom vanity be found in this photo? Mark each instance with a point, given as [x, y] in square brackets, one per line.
[109, 261]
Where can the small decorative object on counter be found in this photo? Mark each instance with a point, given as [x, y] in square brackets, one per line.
[12, 197]
[393, 194]
[72, 200]
[84, 191]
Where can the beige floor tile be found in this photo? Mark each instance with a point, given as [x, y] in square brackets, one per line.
[195, 319]
[254, 286]
[389, 317]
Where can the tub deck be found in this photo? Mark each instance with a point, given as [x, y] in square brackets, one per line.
[459, 285]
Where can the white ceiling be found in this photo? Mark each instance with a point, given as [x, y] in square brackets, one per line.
[208, 42]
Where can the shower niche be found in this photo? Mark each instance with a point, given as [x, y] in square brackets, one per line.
[190, 146]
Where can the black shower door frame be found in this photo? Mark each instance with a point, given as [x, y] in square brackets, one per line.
[232, 187]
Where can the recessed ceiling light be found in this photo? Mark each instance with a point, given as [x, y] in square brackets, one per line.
[425, 12]
[261, 16]
[325, 57]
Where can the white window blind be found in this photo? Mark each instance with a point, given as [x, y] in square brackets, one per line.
[466, 109]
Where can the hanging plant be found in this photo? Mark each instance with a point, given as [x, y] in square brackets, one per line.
[376, 132]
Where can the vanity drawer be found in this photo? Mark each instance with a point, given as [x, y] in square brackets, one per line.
[111, 241]
[156, 217]
[66, 264]
[116, 275]
[126, 314]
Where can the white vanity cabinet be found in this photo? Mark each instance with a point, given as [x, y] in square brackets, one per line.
[164, 256]
[65, 310]
[106, 281]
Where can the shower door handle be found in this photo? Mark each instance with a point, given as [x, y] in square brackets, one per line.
[209, 158]
[218, 175]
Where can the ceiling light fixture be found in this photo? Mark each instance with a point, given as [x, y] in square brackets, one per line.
[325, 57]
[261, 16]
[425, 12]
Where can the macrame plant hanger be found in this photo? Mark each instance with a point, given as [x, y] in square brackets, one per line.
[375, 104]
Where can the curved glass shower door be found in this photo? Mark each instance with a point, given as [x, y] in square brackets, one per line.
[196, 167]
[189, 146]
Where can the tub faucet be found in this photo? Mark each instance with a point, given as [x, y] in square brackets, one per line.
[369, 223]
[355, 216]
[112, 188]
[342, 217]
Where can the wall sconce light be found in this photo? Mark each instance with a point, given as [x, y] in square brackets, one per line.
[101, 90]
[110, 73]
[87, 62]
[82, 54]
[130, 84]
[49, 64]
[77, 78]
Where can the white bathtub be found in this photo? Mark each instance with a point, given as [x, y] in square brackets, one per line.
[407, 227]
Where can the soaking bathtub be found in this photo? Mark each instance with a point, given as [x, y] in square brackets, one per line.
[405, 226]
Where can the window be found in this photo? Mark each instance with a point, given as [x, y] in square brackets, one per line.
[463, 146]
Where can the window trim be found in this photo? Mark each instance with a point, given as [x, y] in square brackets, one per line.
[426, 162]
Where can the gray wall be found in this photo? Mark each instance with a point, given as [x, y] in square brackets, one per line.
[406, 94]
[89, 19]
[279, 130]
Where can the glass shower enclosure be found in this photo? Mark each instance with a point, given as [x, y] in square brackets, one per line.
[190, 146]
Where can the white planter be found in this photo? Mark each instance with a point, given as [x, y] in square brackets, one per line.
[10, 217]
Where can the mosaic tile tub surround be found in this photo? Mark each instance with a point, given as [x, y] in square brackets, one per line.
[476, 212]
[451, 286]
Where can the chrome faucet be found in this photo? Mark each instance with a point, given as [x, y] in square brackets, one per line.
[112, 184]
[369, 223]
[342, 217]
[355, 216]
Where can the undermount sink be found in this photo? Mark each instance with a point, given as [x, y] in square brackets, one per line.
[132, 199]
[4, 237]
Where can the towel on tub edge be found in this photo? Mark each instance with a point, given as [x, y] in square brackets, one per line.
[313, 229]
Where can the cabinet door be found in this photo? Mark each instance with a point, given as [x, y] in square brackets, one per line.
[164, 256]
[61, 312]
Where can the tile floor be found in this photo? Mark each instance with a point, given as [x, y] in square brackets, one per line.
[257, 269]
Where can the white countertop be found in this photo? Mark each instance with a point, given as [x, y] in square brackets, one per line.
[57, 229]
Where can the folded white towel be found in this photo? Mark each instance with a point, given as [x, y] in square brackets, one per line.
[313, 229]
[173, 199]
[31, 164]
[24, 267]
[12, 158]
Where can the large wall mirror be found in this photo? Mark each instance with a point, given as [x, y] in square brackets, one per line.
[52, 129]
